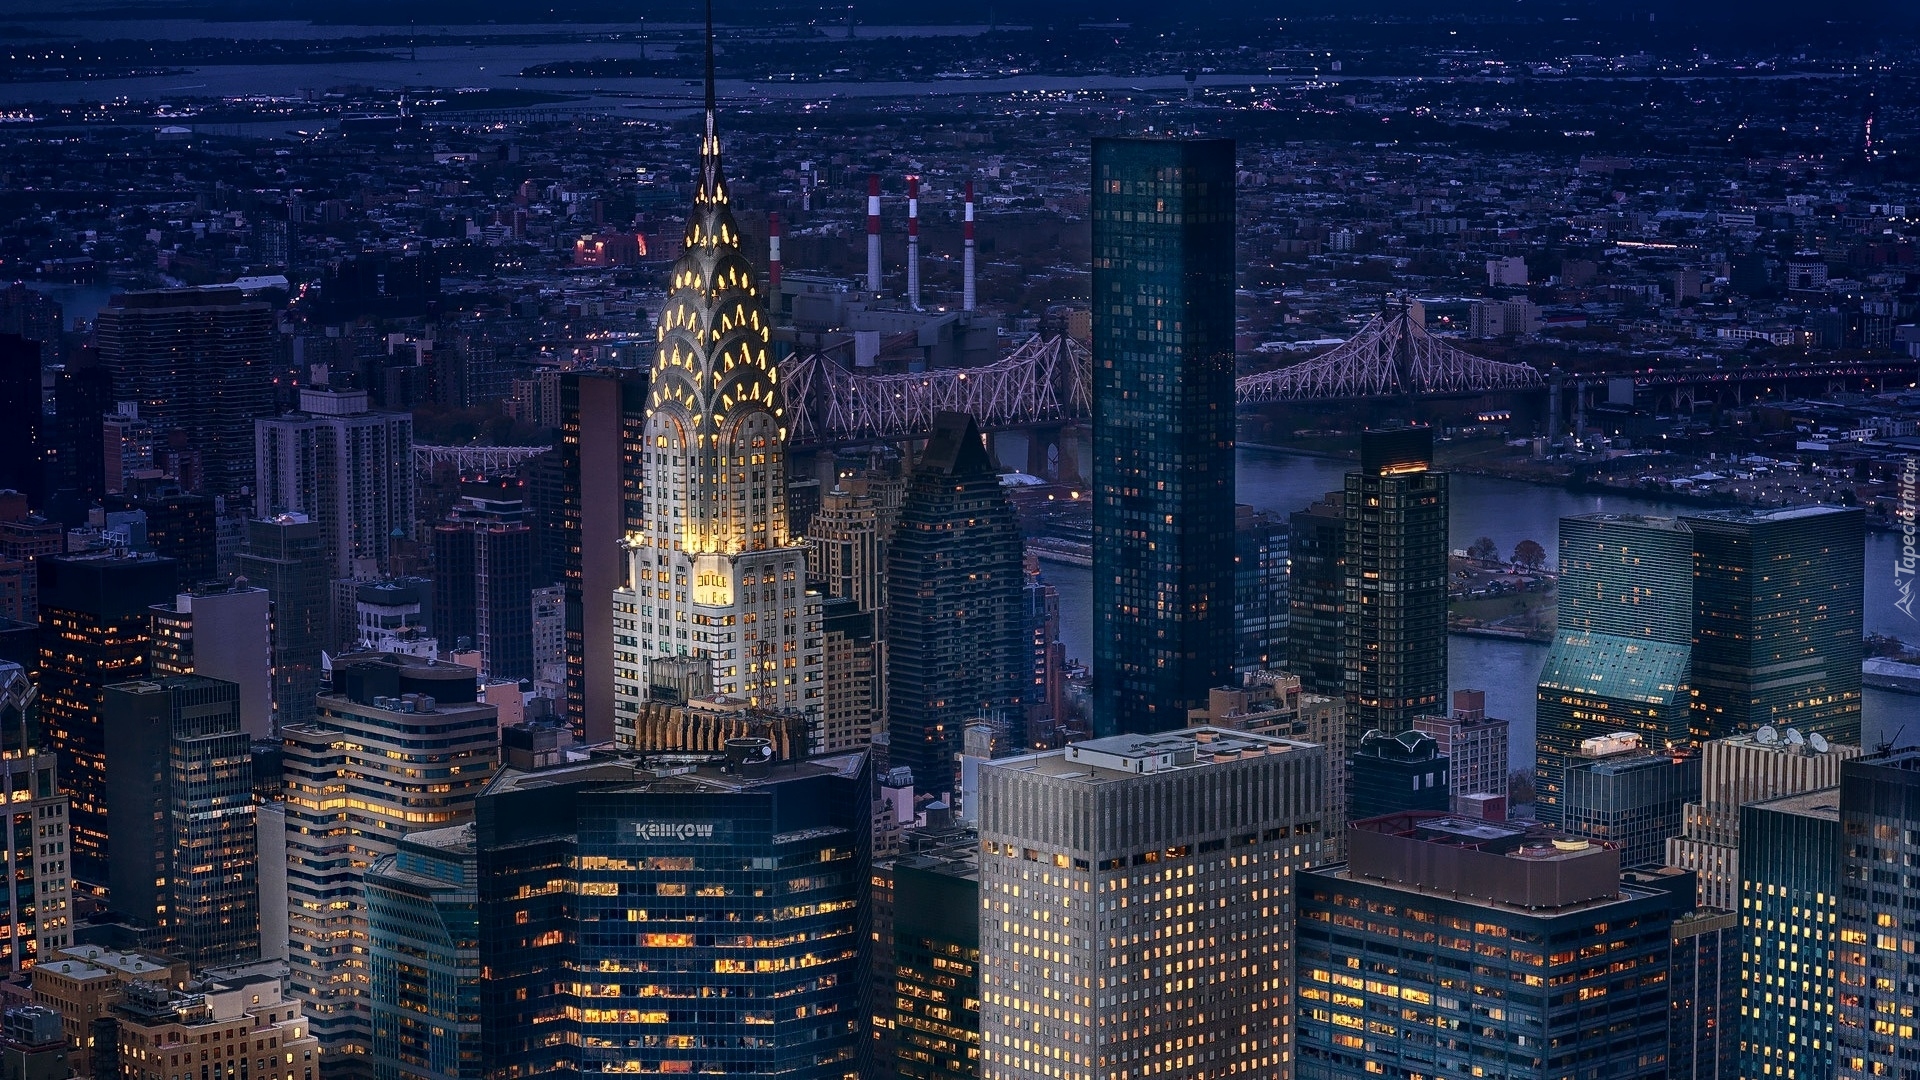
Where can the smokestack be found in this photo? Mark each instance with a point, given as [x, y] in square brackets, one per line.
[913, 242]
[873, 233]
[966, 267]
[773, 261]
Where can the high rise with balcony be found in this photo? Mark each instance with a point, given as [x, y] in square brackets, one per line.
[349, 469]
[1163, 416]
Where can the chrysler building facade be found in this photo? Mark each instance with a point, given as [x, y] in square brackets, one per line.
[714, 575]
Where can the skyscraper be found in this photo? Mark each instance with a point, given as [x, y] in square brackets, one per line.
[1617, 790]
[1395, 623]
[95, 629]
[1260, 605]
[423, 958]
[737, 893]
[22, 462]
[715, 575]
[1095, 947]
[483, 579]
[1790, 852]
[1735, 771]
[1163, 416]
[180, 805]
[1877, 931]
[39, 905]
[1393, 774]
[347, 468]
[603, 498]
[1777, 600]
[1621, 655]
[1386, 940]
[399, 744]
[1705, 1028]
[198, 362]
[1475, 745]
[956, 633]
[286, 555]
[222, 633]
[930, 995]
[846, 551]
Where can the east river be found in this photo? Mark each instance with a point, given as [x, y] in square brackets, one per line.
[1509, 512]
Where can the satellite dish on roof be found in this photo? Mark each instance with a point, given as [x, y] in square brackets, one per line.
[1794, 737]
[1766, 736]
[1818, 742]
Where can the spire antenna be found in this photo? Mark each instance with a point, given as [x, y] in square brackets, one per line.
[710, 182]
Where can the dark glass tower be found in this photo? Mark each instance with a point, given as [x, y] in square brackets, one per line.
[1163, 413]
[1317, 595]
[180, 804]
[1620, 657]
[198, 361]
[95, 628]
[956, 625]
[1777, 599]
[22, 458]
[1396, 569]
[287, 556]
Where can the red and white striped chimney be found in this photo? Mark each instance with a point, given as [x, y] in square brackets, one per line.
[966, 267]
[773, 260]
[873, 232]
[913, 242]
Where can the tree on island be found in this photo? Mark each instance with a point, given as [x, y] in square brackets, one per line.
[1483, 549]
[1530, 554]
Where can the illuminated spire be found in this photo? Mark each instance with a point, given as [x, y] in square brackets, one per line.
[712, 186]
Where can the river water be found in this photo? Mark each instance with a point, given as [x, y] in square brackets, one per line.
[1507, 511]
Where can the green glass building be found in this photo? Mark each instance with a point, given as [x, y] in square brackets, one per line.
[1789, 903]
[1163, 416]
[1395, 624]
[423, 958]
[1777, 624]
[1622, 652]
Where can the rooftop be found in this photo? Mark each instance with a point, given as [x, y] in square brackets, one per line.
[692, 773]
[1118, 757]
[1823, 803]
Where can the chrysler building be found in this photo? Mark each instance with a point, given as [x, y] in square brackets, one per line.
[714, 575]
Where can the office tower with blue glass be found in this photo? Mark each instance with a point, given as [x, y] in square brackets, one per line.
[1163, 429]
[1621, 653]
[1317, 595]
[287, 556]
[715, 912]
[1790, 866]
[1395, 566]
[1619, 791]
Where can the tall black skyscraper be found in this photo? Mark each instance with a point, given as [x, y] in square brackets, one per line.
[603, 418]
[95, 628]
[21, 465]
[1163, 413]
[82, 398]
[1396, 569]
[199, 361]
[956, 624]
[287, 556]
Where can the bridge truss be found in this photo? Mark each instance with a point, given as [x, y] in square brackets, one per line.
[1391, 356]
[473, 460]
[1045, 380]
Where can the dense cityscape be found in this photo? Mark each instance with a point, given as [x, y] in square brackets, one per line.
[1065, 542]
